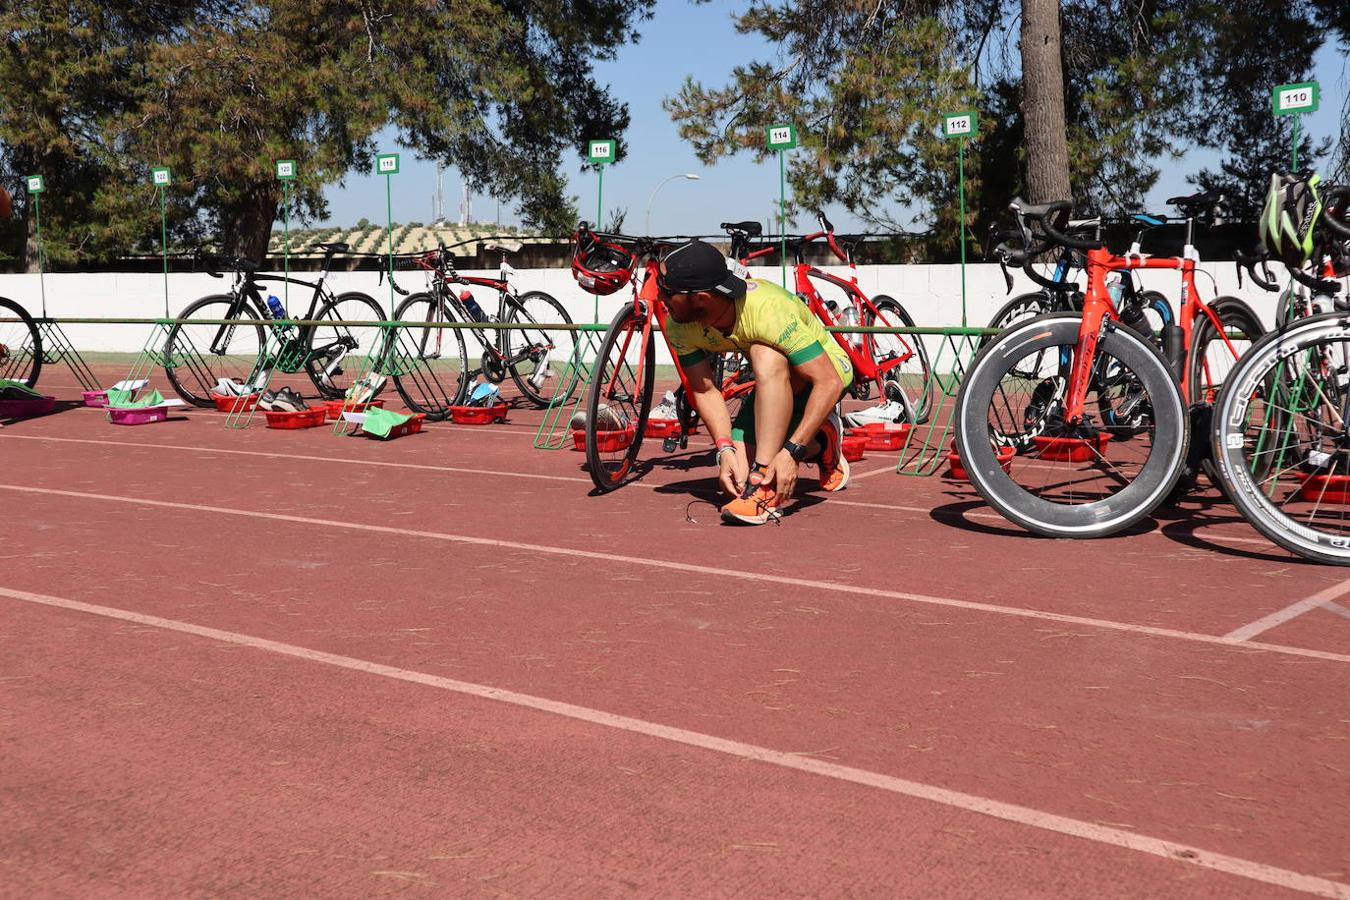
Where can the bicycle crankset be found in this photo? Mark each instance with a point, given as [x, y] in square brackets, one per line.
[493, 370]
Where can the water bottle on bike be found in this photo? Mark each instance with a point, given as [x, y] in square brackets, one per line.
[472, 306]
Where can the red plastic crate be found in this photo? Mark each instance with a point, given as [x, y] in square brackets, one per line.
[854, 447]
[478, 415]
[881, 435]
[226, 403]
[412, 426]
[1324, 488]
[335, 407]
[660, 428]
[957, 472]
[605, 441]
[1070, 449]
[305, 418]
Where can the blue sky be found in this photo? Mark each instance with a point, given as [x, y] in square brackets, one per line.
[684, 39]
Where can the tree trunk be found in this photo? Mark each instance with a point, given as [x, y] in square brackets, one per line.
[1043, 103]
[30, 244]
[253, 222]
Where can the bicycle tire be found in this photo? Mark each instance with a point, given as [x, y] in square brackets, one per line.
[25, 364]
[563, 343]
[1098, 518]
[1247, 483]
[203, 368]
[631, 393]
[352, 306]
[427, 379]
[1017, 309]
[921, 402]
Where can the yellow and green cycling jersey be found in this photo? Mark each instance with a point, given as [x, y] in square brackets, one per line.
[768, 315]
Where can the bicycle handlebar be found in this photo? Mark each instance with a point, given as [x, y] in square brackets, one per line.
[1313, 282]
[1249, 262]
[1337, 194]
[1060, 209]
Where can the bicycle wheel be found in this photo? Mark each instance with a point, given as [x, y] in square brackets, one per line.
[537, 357]
[1018, 309]
[340, 353]
[913, 377]
[620, 398]
[20, 344]
[1281, 450]
[1070, 480]
[429, 365]
[198, 355]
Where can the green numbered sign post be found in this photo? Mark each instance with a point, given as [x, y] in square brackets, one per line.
[782, 138]
[1295, 100]
[601, 153]
[36, 188]
[387, 165]
[286, 174]
[160, 177]
[960, 127]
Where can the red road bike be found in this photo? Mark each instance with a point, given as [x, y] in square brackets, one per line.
[623, 374]
[896, 365]
[1099, 417]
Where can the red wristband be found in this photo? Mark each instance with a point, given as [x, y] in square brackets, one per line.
[724, 442]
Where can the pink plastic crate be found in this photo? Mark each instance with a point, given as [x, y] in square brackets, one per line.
[26, 408]
[128, 416]
[96, 399]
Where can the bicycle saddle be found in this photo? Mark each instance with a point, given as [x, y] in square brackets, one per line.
[751, 229]
[1196, 205]
[336, 247]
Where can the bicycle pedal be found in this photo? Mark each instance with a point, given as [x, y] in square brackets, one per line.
[670, 444]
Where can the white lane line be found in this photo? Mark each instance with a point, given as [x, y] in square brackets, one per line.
[737, 574]
[572, 479]
[1292, 611]
[985, 806]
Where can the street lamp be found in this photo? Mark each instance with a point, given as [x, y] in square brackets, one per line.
[690, 176]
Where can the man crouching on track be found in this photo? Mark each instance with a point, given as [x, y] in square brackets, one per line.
[800, 375]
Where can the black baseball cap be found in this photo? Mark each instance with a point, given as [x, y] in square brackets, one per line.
[696, 266]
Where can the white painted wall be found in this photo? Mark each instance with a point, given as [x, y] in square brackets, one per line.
[931, 293]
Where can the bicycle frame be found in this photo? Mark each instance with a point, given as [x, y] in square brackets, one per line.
[859, 353]
[1098, 308]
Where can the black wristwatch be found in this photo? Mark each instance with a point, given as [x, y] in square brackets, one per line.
[795, 450]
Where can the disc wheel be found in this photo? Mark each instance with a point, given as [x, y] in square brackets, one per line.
[619, 400]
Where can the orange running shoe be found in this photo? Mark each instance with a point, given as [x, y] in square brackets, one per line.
[757, 504]
[834, 469]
